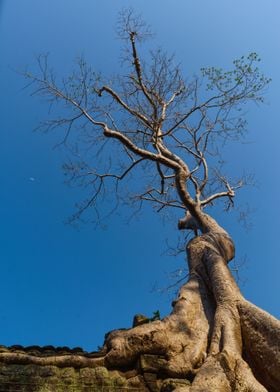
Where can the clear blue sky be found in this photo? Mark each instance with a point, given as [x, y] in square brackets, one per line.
[61, 286]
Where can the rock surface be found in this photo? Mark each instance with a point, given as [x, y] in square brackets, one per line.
[20, 372]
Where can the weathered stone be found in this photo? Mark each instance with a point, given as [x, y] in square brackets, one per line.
[34, 378]
[152, 383]
[174, 384]
[130, 373]
[152, 363]
[137, 382]
[3, 349]
[101, 373]
[140, 319]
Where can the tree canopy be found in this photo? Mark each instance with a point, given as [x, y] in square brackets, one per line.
[151, 122]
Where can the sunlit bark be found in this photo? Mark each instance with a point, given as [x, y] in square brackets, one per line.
[213, 338]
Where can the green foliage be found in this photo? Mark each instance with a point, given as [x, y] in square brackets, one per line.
[156, 316]
[243, 82]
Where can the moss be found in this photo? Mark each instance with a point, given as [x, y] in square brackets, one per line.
[32, 378]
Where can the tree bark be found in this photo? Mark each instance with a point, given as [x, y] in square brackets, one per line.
[213, 340]
[214, 337]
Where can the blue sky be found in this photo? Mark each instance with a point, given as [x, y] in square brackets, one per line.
[63, 286]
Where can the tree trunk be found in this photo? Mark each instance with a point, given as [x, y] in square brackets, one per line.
[213, 338]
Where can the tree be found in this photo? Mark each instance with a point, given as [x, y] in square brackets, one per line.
[153, 122]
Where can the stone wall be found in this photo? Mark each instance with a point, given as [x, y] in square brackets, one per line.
[20, 373]
[49, 369]
[34, 378]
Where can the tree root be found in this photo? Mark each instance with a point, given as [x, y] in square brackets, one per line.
[182, 337]
[214, 340]
[213, 337]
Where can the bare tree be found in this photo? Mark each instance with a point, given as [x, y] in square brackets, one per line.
[162, 136]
